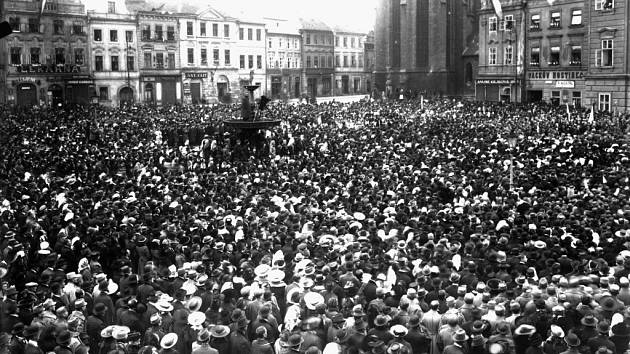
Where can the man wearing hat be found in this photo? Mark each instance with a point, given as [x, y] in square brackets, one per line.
[459, 343]
[573, 342]
[202, 344]
[601, 339]
[418, 336]
[266, 320]
[400, 332]
[17, 342]
[154, 334]
[94, 324]
[63, 343]
[239, 343]
[168, 343]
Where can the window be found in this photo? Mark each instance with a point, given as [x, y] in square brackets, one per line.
[98, 63]
[204, 56]
[492, 24]
[79, 56]
[16, 55]
[129, 36]
[576, 55]
[250, 34]
[576, 99]
[555, 98]
[226, 31]
[111, 7]
[345, 61]
[191, 56]
[242, 61]
[159, 60]
[554, 56]
[492, 56]
[534, 59]
[258, 34]
[345, 42]
[130, 62]
[259, 61]
[202, 29]
[604, 56]
[315, 39]
[250, 61]
[576, 17]
[241, 34]
[113, 36]
[604, 4]
[60, 56]
[114, 62]
[270, 43]
[171, 60]
[360, 60]
[316, 61]
[14, 22]
[215, 29]
[147, 60]
[33, 25]
[279, 42]
[189, 28]
[508, 23]
[508, 55]
[226, 56]
[604, 102]
[296, 43]
[330, 61]
[103, 93]
[98, 36]
[336, 41]
[308, 39]
[308, 61]
[354, 61]
[77, 28]
[159, 34]
[337, 61]
[170, 33]
[554, 20]
[352, 42]
[58, 27]
[35, 53]
[215, 57]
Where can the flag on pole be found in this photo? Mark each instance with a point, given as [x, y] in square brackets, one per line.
[568, 111]
[520, 58]
[41, 11]
[591, 117]
[421, 101]
[497, 8]
[550, 2]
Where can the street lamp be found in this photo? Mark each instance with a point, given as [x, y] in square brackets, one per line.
[512, 143]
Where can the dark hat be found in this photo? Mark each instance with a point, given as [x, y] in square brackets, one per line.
[460, 336]
[608, 303]
[621, 329]
[31, 332]
[295, 340]
[572, 340]
[603, 327]
[414, 321]
[380, 321]
[338, 318]
[64, 338]
[589, 321]
[17, 329]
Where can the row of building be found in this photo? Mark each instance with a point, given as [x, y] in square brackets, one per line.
[115, 52]
[560, 51]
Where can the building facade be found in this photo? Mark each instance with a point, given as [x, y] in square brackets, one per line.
[501, 62]
[422, 46]
[284, 59]
[556, 48]
[318, 50]
[250, 48]
[47, 54]
[159, 58]
[209, 68]
[370, 60]
[349, 62]
[114, 53]
[607, 77]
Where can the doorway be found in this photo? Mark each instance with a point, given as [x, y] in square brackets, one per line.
[26, 95]
[296, 87]
[148, 93]
[56, 95]
[195, 92]
[345, 85]
[126, 96]
[311, 84]
[534, 96]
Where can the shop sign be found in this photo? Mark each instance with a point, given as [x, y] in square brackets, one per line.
[29, 80]
[151, 79]
[495, 82]
[565, 84]
[555, 75]
[44, 69]
[80, 82]
[196, 75]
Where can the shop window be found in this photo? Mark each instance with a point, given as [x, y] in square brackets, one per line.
[576, 99]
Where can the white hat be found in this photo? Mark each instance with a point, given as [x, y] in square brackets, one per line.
[196, 318]
[312, 299]
[168, 341]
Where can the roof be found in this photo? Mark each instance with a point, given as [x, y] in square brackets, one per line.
[314, 25]
[339, 29]
[282, 26]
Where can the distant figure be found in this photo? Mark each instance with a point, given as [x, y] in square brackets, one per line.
[246, 109]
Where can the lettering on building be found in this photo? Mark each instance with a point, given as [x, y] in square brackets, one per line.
[557, 75]
[46, 69]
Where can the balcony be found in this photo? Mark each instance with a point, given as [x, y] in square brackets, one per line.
[575, 62]
[554, 25]
[157, 36]
[534, 27]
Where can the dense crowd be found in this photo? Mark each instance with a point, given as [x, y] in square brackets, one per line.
[399, 227]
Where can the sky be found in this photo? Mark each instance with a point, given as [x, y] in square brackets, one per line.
[351, 14]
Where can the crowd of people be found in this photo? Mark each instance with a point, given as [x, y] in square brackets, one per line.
[399, 227]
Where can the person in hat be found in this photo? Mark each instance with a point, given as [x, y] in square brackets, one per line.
[522, 337]
[601, 339]
[381, 330]
[555, 343]
[202, 344]
[154, 334]
[399, 332]
[239, 343]
[261, 344]
[168, 343]
[30, 346]
[104, 298]
[220, 338]
[588, 328]
[264, 319]
[63, 343]
[418, 336]
[294, 343]
[459, 343]
[573, 343]
[446, 335]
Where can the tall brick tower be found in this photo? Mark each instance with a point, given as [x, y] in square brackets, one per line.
[426, 45]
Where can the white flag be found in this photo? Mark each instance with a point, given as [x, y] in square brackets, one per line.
[497, 8]
[550, 2]
[591, 117]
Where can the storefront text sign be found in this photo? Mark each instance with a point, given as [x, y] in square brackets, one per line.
[196, 75]
[43, 69]
[565, 84]
[494, 82]
[557, 75]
